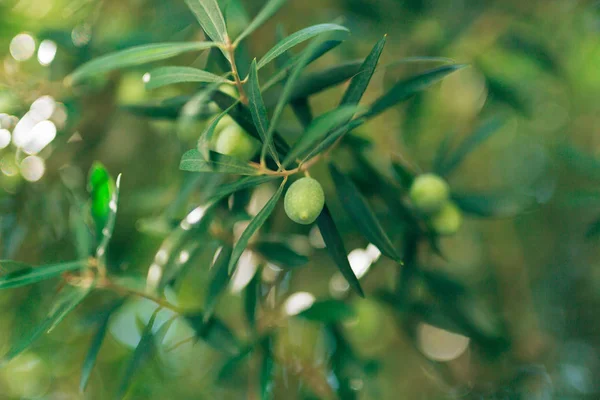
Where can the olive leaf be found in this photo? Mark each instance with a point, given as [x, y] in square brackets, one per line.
[405, 89]
[296, 38]
[29, 275]
[194, 161]
[267, 368]
[133, 56]
[263, 15]
[170, 75]
[218, 281]
[211, 19]
[337, 251]
[258, 110]
[254, 225]
[280, 254]
[67, 299]
[251, 295]
[328, 311]
[317, 130]
[246, 182]
[360, 212]
[214, 332]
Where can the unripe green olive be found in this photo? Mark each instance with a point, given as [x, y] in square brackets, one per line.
[304, 201]
[447, 220]
[429, 193]
[233, 141]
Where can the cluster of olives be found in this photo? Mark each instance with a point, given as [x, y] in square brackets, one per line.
[430, 195]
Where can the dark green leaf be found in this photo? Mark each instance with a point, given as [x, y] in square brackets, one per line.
[296, 38]
[336, 249]
[475, 139]
[496, 204]
[168, 109]
[218, 281]
[263, 15]
[289, 87]
[194, 161]
[230, 370]
[318, 81]
[254, 225]
[441, 154]
[214, 332]
[280, 254]
[139, 356]
[209, 16]
[81, 232]
[317, 130]
[360, 212]
[405, 89]
[334, 136]
[328, 311]
[135, 56]
[69, 298]
[95, 345]
[258, 110]
[169, 75]
[267, 369]
[251, 294]
[30, 275]
[360, 82]
[246, 182]
[403, 175]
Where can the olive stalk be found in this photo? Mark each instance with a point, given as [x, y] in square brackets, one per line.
[230, 49]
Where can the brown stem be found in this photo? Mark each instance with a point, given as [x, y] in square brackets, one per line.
[230, 48]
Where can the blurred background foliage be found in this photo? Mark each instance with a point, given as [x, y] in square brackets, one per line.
[531, 279]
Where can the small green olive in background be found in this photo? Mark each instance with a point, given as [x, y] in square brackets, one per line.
[234, 142]
[447, 220]
[429, 193]
[304, 201]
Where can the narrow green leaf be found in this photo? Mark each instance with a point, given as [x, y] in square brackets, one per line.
[263, 15]
[441, 154]
[337, 251]
[207, 134]
[280, 253]
[218, 281]
[251, 294]
[485, 131]
[134, 56]
[109, 227]
[246, 182]
[30, 275]
[317, 130]
[139, 356]
[298, 37]
[258, 110]
[403, 175]
[328, 311]
[492, 204]
[194, 161]
[169, 75]
[67, 300]
[288, 88]
[360, 82]
[331, 138]
[101, 187]
[315, 82]
[214, 332]
[360, 212]
[211, 19]
[254, 225]
[168, 109]
[95, 345]
[405, 89]
[231, 369]
[267, 369]
[81, 233]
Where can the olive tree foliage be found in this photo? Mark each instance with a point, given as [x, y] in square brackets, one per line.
[236, 92]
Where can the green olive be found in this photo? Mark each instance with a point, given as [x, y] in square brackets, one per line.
[304, 201]
[447, 220]
[429, 193]
[233, 141]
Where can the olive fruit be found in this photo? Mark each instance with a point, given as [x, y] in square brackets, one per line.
[304, 201]
[234, 142]
[447, 220]
[429, 193]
